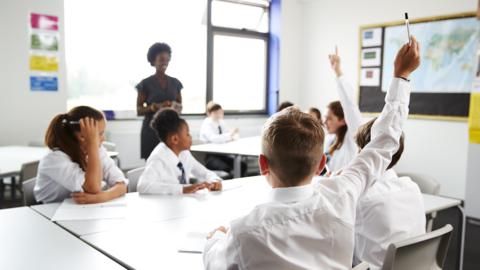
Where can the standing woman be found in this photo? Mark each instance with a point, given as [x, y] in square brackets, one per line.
[157, 91]
[342, 120]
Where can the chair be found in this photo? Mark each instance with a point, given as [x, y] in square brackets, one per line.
[200, 157]
[28, 171]
[112, 147]
[426, 251]
[362, 266]
[133, 176]
[427, 185]
[28, 195]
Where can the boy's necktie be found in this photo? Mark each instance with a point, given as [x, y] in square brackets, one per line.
[180, 166]
[220, 129]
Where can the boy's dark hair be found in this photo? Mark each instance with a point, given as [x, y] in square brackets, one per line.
[363, 137]
[212, 106]
[284, 105]
[165, 122]
[317, 112]
[155, 49]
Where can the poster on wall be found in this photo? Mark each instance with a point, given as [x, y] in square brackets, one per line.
[371, 57]
[372, 37]
[43, 51]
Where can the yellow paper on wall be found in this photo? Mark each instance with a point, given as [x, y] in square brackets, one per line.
[474, 118]
[44, 63]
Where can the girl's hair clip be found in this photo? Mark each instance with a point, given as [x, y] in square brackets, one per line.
[71, 122]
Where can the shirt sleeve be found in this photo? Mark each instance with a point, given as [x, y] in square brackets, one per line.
[155, 180]
[353, 117]
[111, 173]
[141, 87]
[220, 252]
[201, 173]
[373, 160]
[64, 171]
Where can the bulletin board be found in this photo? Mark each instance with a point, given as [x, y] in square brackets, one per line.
[441, 86]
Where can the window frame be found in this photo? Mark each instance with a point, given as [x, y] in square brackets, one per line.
[231, 32]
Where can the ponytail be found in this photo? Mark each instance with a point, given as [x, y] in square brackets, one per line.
[62, 129]
[337, 109]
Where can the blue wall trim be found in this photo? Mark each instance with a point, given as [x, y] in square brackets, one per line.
[274, 56]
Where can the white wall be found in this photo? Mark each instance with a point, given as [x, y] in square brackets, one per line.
[25, 115]
[435, 148]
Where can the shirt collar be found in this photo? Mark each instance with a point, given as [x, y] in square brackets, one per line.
[290, 194]
[169, 154]
[387, 175]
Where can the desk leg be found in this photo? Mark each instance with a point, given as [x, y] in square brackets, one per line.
[237, 166]
[461, 238]
[14, 188]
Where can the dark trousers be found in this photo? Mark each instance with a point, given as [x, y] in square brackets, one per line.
[223, 163]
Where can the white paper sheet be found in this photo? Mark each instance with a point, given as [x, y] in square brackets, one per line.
[197, 237]
[69, 210]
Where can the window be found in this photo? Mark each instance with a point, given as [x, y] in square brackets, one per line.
[238, 54]
[107, 42]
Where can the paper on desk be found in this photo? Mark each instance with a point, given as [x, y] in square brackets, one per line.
[69, 210]
[197, 237]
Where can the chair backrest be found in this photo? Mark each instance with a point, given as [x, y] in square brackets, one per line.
[426, 251]
[427, 184]
[362, 266]
[28, 171]
[110, 146]
[133, 176]
[28, 196]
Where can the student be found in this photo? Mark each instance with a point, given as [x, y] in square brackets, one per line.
[284, 105]
[215, 130]
[170, 164]
[342, 119]
[316, 113]
[391, 211]
[304, 225]
[77, 163]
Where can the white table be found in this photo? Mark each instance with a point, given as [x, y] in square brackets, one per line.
[249, 146]
[12, 158]
[436, 203]
[156, 225]
[29, 241]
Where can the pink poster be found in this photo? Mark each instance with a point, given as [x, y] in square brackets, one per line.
[45, 22]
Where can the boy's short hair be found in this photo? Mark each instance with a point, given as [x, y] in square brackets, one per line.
[292, 142]
[165, 122]
[317, 112]
[284, 105]
[212, 106]
[363, 137]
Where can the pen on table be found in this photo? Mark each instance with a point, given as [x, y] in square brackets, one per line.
[408, 29]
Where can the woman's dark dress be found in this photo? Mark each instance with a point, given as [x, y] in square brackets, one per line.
[154, 92]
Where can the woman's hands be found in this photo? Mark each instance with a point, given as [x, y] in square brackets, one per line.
[407, 60]
[89, 131]
[335, 62]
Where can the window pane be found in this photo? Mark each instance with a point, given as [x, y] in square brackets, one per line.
[238, 16]
[107, 43]
[239, 73]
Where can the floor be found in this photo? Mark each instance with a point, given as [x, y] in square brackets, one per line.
[450, 216]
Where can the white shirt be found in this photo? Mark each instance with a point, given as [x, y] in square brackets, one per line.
[162, 175]
[209, 132]
[391, 211]
[312, 227]
[341, 157]
[58, 176]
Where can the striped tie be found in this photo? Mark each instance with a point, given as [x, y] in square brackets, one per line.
[180, 166]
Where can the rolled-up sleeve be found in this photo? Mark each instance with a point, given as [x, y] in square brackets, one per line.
[111, 173]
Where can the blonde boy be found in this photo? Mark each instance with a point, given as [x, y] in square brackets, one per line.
[304, 225]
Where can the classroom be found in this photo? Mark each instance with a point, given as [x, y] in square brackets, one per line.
[240, 134]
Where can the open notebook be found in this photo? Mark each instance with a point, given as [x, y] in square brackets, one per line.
[69, 210]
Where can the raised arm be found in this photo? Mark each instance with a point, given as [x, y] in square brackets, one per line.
[353, 117]
[374, 159]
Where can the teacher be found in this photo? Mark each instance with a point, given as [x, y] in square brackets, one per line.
[156, 92]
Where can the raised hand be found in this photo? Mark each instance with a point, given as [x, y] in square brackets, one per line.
[407, 60]
[89, 131]
[335, 62]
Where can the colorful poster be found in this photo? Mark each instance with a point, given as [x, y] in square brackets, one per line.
[42, 21]
[44, 41]
[43, 83]
[474, 118]
[43, 63]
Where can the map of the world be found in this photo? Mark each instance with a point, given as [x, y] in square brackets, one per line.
[447, 49]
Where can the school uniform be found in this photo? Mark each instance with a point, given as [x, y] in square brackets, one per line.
[58, 176]
[353, 118]
[213, 132]
[167, 173]
[391, 211]
[312, 226]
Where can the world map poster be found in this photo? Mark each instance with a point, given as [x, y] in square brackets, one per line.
[447, 49]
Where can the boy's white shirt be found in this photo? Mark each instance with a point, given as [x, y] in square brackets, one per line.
[209, 132]
[391, 211]
[353, 118]
[312, 227]
[162, 175]
[58, 176]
